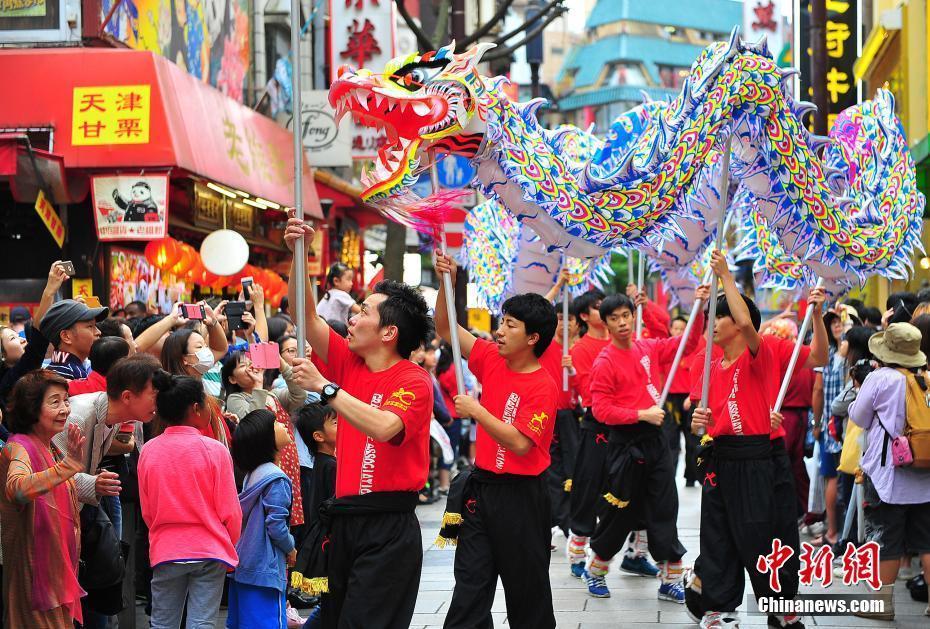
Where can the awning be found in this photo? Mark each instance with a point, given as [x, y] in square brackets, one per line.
[116, 109]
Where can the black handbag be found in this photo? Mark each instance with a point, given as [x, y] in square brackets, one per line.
[102, 562]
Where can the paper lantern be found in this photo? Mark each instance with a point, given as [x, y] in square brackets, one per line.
[224, 252]
[186, 261]
[163, 254]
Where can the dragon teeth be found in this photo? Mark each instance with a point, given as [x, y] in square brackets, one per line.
[403, 106]
[378, 100]
[362, 98]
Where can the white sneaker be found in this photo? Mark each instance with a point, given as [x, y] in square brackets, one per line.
[718, 620]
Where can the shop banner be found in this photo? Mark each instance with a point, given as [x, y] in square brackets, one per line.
[113, 114]
[762, 18]
[133, 278]
[844, 35]
[22, 8]
[325, 142]
[48, 215]
[130, 207]
[362, 35]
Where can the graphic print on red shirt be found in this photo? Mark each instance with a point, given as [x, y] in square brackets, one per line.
[743, 393]
[584, 353]
[405, 389]
[527, 401]
[551, 361]
[625, 381]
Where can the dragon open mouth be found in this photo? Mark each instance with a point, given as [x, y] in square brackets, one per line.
[405, 120]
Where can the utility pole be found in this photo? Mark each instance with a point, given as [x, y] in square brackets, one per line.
[458, 20]
[534, 49]
[818, 41]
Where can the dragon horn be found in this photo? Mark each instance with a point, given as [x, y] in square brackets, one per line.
[818, 142]
[803, 107]
[646, 97]
[733, 44]
[531, 107]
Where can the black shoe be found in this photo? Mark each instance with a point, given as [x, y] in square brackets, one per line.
[689, 483]
[301, 600]
[776, 623]
[917, 586]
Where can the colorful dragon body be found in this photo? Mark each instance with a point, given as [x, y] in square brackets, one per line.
[734, 96]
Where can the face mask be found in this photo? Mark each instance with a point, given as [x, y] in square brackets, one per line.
[205, 360]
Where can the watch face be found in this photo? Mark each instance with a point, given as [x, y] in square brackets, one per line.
[330, 390]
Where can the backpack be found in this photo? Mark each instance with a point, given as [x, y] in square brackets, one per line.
[917, 421]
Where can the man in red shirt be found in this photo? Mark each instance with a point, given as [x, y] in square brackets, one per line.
[565, 435]
[591, 454]
[626, 383]
[504, 528]
[678, 409]
[747, 457]
[384, 403]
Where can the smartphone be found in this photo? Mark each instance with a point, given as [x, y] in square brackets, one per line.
[194, 312]
[246, 288]
[234, 312]
[68, 267]
[92, 301]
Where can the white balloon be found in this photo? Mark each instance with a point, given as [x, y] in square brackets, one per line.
[224, 252]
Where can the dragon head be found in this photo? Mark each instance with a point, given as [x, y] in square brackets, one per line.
[420, 101]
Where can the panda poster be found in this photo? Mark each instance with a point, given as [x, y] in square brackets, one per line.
[130, 207]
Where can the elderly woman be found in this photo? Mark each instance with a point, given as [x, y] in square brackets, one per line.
[39, 509]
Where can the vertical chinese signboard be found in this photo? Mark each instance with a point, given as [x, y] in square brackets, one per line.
[844, 45]
[362, 36]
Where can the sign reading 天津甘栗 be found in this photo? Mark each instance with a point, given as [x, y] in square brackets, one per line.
[130, 207]
[22, 8]
[111, 114]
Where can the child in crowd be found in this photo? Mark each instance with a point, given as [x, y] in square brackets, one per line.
[188, 496]
[258, 586]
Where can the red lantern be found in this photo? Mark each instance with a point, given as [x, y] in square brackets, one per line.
[186, 261]
[163, 254]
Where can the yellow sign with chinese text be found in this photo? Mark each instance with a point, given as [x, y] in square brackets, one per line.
[113, 114]
[48, 215]
[81, 287]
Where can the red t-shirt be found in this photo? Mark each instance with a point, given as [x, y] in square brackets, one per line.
[448, 386]
[656, 321]
[584, 352]
[743, 394]
[800, 392]
[527, 401]
[682, 381]
[366, 465]
[551, 361]
[625, 381]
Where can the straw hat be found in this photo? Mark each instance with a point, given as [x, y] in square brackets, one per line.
[898, 345]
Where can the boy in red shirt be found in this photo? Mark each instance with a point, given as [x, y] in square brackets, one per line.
[504, 525]
[384, 403]
[565, 435]
[678, 408]
[626, 381]
[747, 457]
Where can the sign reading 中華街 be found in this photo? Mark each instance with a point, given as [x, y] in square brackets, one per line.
[22, 8]
[112, 114]
[130, 207]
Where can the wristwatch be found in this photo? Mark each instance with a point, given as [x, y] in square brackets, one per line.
[329, 392]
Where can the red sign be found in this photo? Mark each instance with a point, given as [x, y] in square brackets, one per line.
[193, 127]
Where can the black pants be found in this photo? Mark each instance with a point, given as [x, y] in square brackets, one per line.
[589, 476]
[786, 521]
[641, 476]
[505, 532]
[374, 571]
[737, 519]
[562, 452]
[678, 422]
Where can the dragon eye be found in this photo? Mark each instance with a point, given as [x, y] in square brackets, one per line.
[414, 77]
